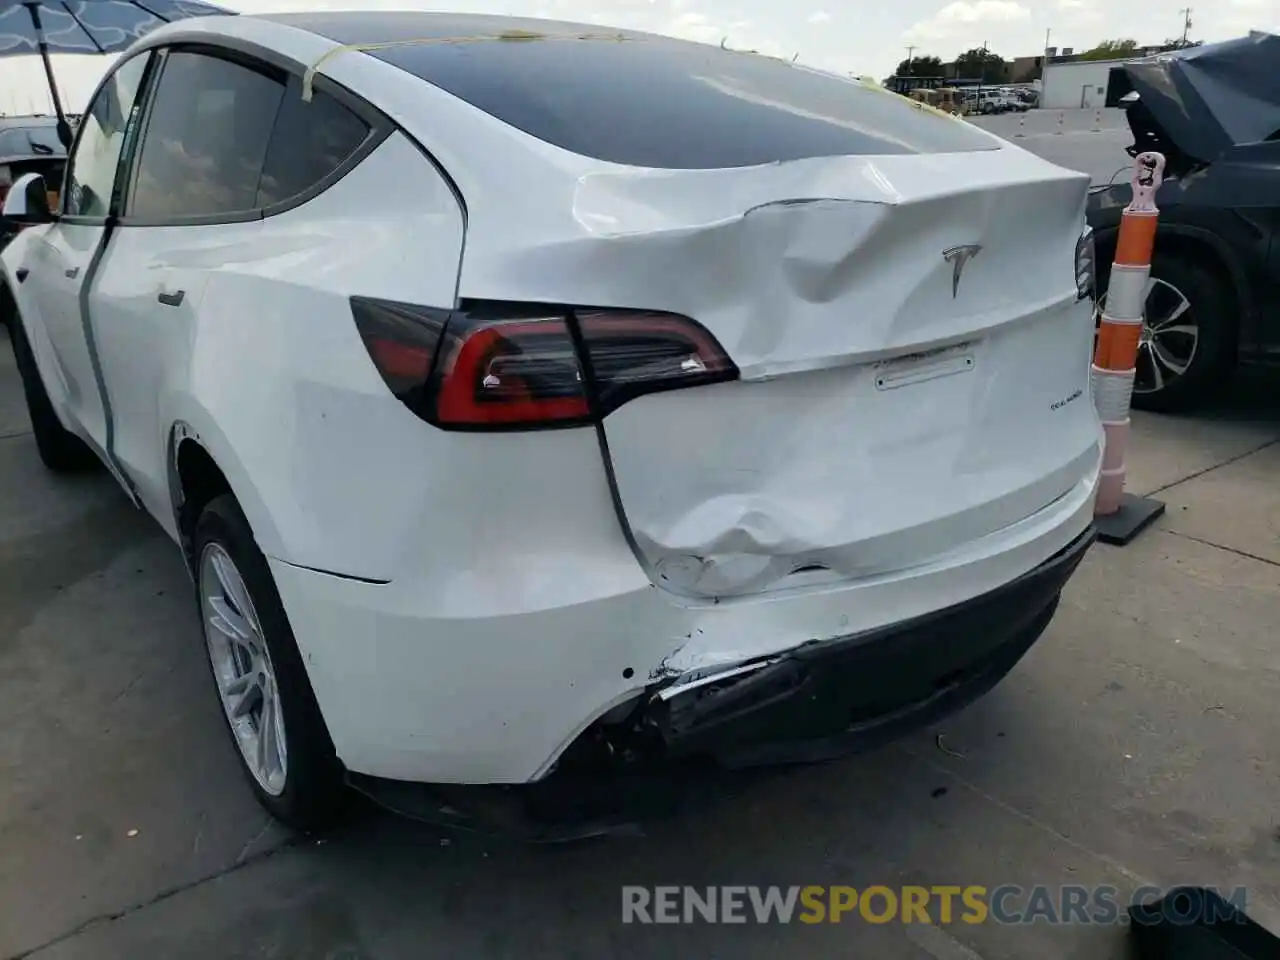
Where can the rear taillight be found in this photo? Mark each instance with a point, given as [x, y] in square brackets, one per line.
[1086, 265]
[495, 366]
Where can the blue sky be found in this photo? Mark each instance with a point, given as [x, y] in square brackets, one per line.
[855, 36]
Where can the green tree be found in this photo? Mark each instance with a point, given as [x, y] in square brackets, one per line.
[981, 64]
[920, 67]
[1112, 50]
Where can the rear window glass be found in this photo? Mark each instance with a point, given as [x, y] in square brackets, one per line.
[653, 102]
[30, 141]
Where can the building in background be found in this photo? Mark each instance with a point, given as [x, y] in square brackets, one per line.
[1078, 84]
[1025, 69]
[1069, 81]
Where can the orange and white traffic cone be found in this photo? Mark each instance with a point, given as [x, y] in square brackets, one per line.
[1097, 121]
[1116, 354]
[1022, 127]
[1061, 120]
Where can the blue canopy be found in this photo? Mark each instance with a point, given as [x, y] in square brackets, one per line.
[44, 27]
[87, 26]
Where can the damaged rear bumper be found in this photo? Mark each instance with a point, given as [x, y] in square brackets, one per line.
[816, 702]
[825, 700]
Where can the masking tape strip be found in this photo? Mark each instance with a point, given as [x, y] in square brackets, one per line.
[509, 36]
[871, 83]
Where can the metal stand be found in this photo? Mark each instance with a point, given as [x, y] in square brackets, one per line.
[1134, 516]
[65, 133]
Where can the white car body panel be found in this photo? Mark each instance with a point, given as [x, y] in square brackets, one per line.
[52, 253]
[467, 603]
[272, 341]
[479, 688]
[145, 348]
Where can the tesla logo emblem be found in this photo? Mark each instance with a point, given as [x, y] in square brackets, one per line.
[958, 257]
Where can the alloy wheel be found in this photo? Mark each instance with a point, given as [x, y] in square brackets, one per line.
[242, 669]
[1169, 338]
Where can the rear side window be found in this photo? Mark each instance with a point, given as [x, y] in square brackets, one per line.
[206, 140]
[654, 102]
[311, 141]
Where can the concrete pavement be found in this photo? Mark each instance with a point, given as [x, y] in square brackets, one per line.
[1134, 745]
[1086, 140]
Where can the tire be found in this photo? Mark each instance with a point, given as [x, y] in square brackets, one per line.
[1206, 358]
[60, 449]
[306, 790]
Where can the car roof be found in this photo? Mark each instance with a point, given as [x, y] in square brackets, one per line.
[400, 26]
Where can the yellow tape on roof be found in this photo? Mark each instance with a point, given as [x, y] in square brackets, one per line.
[873, 84]
[508, 36]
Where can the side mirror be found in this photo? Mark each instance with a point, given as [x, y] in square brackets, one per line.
[28, 201]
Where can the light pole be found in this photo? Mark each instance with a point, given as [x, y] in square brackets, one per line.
[1044, 67]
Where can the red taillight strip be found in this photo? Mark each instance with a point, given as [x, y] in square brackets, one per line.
[459, 374]
[436, 360]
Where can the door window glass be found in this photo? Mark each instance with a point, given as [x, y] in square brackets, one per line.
[108, 123]
[311, 141]
[206, 139]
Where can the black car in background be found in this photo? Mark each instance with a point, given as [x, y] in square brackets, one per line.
[28, 145]
[1214, 297]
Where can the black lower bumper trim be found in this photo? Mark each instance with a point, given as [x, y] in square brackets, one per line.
[825, 700]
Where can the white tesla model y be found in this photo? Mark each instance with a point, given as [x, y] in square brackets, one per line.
[530, 398]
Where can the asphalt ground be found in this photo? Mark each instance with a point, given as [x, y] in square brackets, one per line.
[1086, 140]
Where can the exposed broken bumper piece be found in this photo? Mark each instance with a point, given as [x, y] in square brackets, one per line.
[824, 700]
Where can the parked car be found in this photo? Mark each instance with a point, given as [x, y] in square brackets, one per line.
[1214, 296]
[1013, 100]
[990, 102]
[29, 145]
[508, 443]
[943, 99]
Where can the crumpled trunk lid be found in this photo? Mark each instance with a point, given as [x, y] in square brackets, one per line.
[913, 356]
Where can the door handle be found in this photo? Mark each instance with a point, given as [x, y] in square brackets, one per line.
[172, 299]
[72, 273]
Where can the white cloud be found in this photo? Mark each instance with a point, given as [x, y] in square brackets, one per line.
[1080, 14]
[694, 26]
[955, 19]
[819, 16]
[982, 11]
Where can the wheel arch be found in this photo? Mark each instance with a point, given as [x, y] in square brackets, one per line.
[1185, 240]
[202, 466]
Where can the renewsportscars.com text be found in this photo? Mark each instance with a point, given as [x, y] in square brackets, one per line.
[939, 904]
